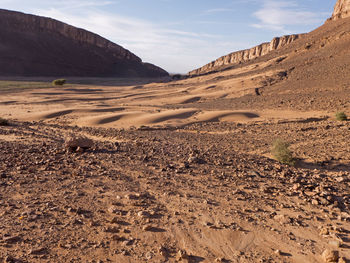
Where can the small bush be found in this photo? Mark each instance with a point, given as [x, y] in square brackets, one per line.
[341, 116]
[280, 151]
[58, 82]
[4, 122]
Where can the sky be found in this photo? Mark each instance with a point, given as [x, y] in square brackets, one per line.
[181, 35]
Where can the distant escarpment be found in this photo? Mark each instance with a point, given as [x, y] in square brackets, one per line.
[247, 54]
[341, 9]
[38, 46]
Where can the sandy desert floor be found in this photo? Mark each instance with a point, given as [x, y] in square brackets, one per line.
[180, 172]
[154, 105]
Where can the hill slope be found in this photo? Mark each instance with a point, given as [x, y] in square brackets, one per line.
[310, 73]
[39, 46]
[341, 10]
[246, 55]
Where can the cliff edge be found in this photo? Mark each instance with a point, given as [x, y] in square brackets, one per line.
[341, 9]
[247, 54]
[40, 46]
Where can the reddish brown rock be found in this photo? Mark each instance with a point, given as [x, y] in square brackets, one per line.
[330, 255]
[73, 142]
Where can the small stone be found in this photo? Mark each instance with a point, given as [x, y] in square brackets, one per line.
[77, 222]
[340, 179]
[112, 230]
[149, 255]
[118, 238]
[335, 243]
[342, 260]
[277, 252]
[192, 159]
[296, 187]
[314, 202]
[238, 253]
[181, 255]
[128, 242]
[147, 228]
[330, 256]
[282, 219]
[163, 251]
[132, 196]
[80, 150]
[195, 160]
[143, 214]
[324, 232]
[9, 259]
[113, 209]
[115, 220]
[38, 251]
[93, 223]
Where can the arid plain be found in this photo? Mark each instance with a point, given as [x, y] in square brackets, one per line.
[182, 171]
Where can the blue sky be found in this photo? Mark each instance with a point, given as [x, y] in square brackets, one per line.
[181, 35]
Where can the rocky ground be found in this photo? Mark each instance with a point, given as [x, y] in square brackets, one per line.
[205, 193]
[181, 171]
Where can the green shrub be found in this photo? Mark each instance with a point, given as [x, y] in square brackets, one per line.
[341, 116]
[4, 122]
[58, 82]
[280, 151]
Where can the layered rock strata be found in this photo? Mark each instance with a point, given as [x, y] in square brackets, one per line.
[341, 9]
[247, 54]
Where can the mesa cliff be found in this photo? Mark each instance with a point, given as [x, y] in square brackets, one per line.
[247, 54]
[341, 9]
[39, 46]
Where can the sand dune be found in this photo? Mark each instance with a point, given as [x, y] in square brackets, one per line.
[107, 119]
[60, 113]
[149, 105]
[167, 118]
[216, 116]
[227, 96]
[127, 119]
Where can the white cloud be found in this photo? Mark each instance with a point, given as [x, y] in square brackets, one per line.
[174, 50]
[72, 4]
[278, 15]
[162, 44]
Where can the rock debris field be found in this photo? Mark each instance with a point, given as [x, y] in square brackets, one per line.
[207, 192]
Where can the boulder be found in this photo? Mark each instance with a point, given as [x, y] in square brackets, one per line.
[78, 142]
[330, 256]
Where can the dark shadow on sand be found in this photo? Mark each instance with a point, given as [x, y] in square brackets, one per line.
[324, 166]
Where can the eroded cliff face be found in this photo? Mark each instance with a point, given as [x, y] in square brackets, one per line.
[247, 54]
[39, 46]
[341, 9]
